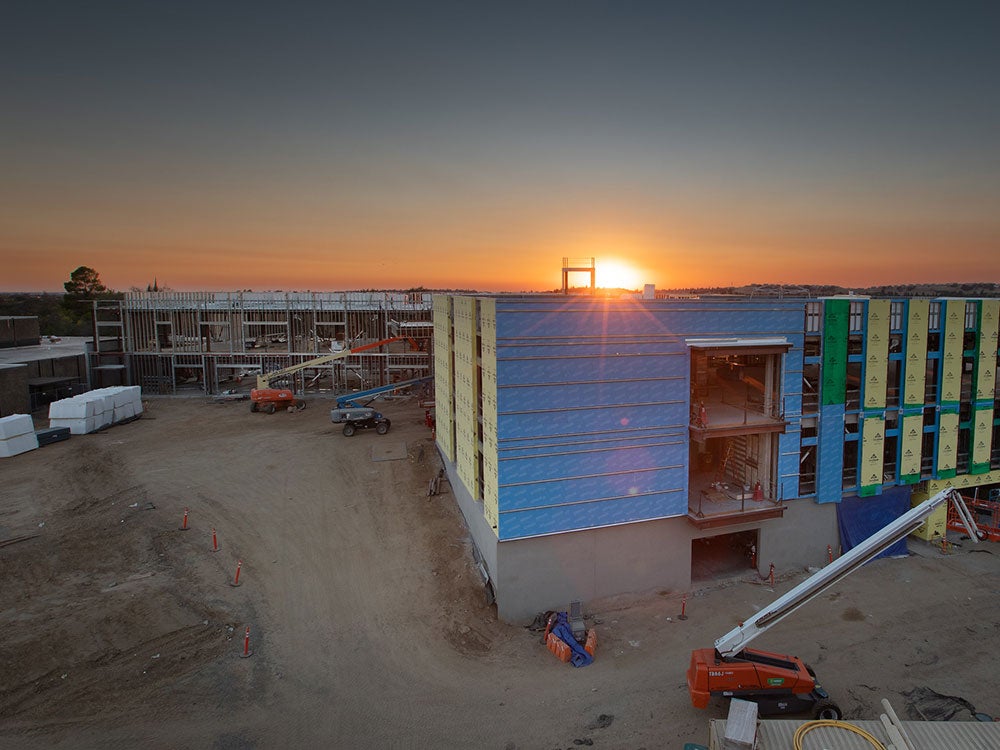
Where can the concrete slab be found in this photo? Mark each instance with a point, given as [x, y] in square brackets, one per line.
[386, 451]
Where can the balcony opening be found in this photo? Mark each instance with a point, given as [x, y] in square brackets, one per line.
[732, 478]
[736, 389]
[736, 412]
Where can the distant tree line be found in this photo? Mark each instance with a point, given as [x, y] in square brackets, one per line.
[67, 314]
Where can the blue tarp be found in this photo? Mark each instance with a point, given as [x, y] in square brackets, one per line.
[860, 517]
[579, 656]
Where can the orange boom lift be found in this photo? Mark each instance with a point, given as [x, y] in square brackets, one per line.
[266, 398]
[779, 683]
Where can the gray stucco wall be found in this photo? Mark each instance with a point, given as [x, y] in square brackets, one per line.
[542, 573]
[798, 539]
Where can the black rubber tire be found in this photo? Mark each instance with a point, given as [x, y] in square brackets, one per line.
[300, 405]
[348, 429]
[253, 407]
[382, 427]
[827, 710]
[270, 408]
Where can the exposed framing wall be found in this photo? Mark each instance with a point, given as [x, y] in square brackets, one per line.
[206, 341]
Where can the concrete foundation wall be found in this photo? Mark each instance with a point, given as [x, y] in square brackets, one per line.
[548, 572]
[482, 534]
[799, 538]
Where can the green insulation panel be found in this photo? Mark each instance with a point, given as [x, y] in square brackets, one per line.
[835, 324]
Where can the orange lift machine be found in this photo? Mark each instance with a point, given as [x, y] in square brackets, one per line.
[266, 398]
[779, 683]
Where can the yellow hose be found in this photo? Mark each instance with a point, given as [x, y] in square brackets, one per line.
[810, 725]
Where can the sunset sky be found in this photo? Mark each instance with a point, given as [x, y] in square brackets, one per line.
[334, 146]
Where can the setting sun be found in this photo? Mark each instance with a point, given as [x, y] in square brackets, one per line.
[616, 275]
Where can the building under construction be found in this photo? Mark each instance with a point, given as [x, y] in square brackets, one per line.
[599, 446]
[177, 342]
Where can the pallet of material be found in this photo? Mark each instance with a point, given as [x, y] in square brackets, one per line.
[94, 410]
[52, 435]
[17, 435]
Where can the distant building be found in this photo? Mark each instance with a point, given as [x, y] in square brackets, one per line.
[36, 371]
[204, 342]
[600, 446]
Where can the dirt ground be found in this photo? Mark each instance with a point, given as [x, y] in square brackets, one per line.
[369, 627]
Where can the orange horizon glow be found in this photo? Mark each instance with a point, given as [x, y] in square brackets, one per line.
[382, 263]
[231, 252]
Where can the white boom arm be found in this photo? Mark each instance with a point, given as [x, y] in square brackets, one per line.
[737, 639]
[264, 379]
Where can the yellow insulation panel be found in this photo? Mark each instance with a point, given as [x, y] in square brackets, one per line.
[916, 352]
[982, 437]
[962, 482]
[488, 358]
[934, 526]
[951, 360]
[444, 382]
[989, 323]
[876, 354]
[910, 436]
[872, 452]
[467, 395]
[947, 456]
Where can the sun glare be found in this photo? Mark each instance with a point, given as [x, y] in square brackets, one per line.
[616, 275]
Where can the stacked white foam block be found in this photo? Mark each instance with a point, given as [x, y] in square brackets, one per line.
[17, 435]
[97, 409]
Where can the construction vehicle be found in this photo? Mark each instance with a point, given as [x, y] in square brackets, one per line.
[352, 399]
[268, 399]
[271, 399]
[359, 416]
[780, 683]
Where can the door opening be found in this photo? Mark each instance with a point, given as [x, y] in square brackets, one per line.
[723, 555]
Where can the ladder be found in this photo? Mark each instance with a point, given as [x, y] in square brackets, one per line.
[727, 454]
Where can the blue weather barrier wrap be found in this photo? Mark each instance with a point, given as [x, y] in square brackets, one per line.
[579, 656]
[860, 517]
